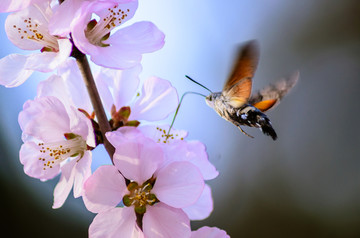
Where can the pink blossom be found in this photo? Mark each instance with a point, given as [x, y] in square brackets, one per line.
[209, 232]
[120, 48]
[156, 99]
[28, 30]
[157, 192]
[56, 140]
[176, 148]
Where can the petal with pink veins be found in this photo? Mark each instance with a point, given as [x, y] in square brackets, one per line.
[157, 100]
[104, 189]
[116, 222]
[179, 184]
[161, 220]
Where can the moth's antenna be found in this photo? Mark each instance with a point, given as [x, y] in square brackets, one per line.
[177, 110]
[198, 83]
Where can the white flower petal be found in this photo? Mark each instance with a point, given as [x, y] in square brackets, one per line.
[140, 37]
[49, 61]
[137, 157]
[75, 86]
[157, 100]
[83, 172]
[117, 222]
[193, 152]
[104, 189]
[203, 206]
[118, 87]
[12, 70]
[45, 118]
[63, 16]
[179, 184]
[66, 182]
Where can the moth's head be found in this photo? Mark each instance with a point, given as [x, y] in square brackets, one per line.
[210, 100]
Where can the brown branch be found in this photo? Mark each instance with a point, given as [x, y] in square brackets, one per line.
[95, 98]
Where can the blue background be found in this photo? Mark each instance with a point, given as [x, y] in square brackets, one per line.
[305, 184]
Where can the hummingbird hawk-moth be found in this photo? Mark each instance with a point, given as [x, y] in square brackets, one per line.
[236, 104]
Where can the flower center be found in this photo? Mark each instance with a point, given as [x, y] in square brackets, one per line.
[56, 152]
[139, 196]
[34, 30]
[120, 118]
[98, 31]
[164, 137]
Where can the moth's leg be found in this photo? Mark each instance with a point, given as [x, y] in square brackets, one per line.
[244, 131]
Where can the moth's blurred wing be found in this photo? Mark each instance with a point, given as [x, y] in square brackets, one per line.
[239, 94]
[270, 96]
[238, 87]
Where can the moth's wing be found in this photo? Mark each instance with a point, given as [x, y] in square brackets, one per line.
[239, 94]
[238, 86]
[270, 96]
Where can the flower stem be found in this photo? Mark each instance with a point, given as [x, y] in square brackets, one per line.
[104, 125]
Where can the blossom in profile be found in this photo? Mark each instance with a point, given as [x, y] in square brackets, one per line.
[95, 31]
[209, 232]
[56, 140]
[152, 196]
[128, 100]
[28, 30]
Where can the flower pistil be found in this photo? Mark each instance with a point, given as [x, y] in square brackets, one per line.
[140, 196]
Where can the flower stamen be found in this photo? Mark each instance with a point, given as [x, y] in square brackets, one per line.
[164, 137]
[56, 152]
[35, 31]
[100, 31]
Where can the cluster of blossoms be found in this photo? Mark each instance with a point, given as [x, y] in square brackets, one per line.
[155, 183]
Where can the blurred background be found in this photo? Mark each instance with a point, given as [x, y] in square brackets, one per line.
[305, 184]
